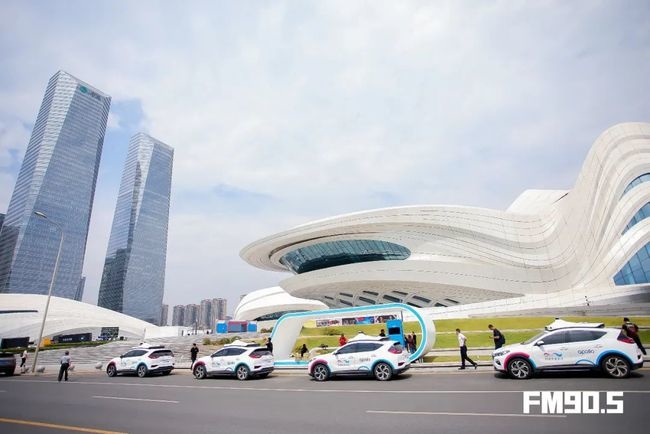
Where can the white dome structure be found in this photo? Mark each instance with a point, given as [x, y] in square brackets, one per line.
[21, 316]
[587, 245]
[271, 303]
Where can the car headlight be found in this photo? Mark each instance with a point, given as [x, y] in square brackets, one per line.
[500, 353]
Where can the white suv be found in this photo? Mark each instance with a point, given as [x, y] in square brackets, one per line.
[362, 355]
[239, 358]
[142, 360]
[570, 346]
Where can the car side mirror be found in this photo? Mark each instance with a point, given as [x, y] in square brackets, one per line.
[539, 343]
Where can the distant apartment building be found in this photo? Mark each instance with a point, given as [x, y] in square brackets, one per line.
[205, 320]
[57, 179]
[164, 314]
[191, 315]
[178, 315]
[219, 309]
[133, 280]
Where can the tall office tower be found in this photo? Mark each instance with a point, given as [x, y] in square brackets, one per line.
[2, 219]
[133, 280]
[164, 314]
[178, 316]
[80, 289]
[191, 315]
[57, 178]
[219, 307]
[206, 314]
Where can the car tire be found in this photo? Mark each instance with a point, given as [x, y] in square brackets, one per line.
[142, 371]
[520, 369]
[242, 372]
[616, 366]
[111, 371]
[321, 372]
[200, 372]
[382, 371]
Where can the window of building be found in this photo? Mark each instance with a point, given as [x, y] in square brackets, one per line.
[640, 215]
[636, 270]
[636, 181]
[342, 252]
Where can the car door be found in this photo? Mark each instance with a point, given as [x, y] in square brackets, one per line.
[346, 358]
[551, 350]
[233, 358]
[584, 347]
[366, 355]
[218, 362]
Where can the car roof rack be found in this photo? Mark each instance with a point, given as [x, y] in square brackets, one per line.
[144, 346]
[364, 337]
[240, 343]
[561, 324]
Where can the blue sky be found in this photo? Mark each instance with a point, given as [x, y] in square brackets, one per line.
[285, 112]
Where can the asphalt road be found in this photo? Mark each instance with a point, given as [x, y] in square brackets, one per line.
[448, 402]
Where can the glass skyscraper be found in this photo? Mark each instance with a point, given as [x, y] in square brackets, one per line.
[57, 178]
[133, 280]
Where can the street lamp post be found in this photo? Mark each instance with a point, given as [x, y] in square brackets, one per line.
[49, 292]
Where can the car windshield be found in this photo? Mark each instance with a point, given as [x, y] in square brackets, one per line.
[534, 338]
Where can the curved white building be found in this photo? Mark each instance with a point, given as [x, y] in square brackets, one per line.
[269, 304]
[21, 316]
[588, 245]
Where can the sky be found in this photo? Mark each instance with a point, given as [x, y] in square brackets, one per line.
[284, 112]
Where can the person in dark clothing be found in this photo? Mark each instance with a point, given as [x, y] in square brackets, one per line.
[462, 343]
[632, 332]
[269, 345]
[65, 364]
[382, 333]
[303, 350]
[499, 339]
[193, 352]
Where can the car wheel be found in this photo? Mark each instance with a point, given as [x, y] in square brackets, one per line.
[111, 371]
[142, 371]
[242, 372]
[199, 372]
[616, 366]
[383, 371]
[321, 372]
[520, 369]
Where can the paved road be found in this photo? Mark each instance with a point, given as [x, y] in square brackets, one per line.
[448, 402]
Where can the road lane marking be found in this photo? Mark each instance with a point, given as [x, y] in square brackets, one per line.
[446, 413]
[58, 427]
[270, 389]
[135, 399]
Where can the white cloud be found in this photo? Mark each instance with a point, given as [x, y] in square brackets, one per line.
[328, 107]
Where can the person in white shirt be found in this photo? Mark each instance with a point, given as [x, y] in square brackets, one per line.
[462, 341]
[23, 358]
[65, 364]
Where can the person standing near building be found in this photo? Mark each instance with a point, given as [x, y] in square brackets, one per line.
[193, 353]
[499, 339]
[269, 345]
[303, 350]
[23, 359]
[382, 333]
[65, 364]
[462, 343]
[342, 340]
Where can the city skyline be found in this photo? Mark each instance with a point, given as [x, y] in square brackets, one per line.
[57, 179]
[285, 113]
[133, 280]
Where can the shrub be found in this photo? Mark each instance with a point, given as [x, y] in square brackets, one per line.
[207, 341]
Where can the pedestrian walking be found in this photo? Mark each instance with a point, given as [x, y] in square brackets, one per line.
[462, 343]
[632, 332]
[342, 340]
[303, 350]
[499, 339]
[65, 365]
[23, 359]
[193, 353]
[269, 345]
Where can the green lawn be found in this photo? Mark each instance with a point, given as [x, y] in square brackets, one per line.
[515, 329]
